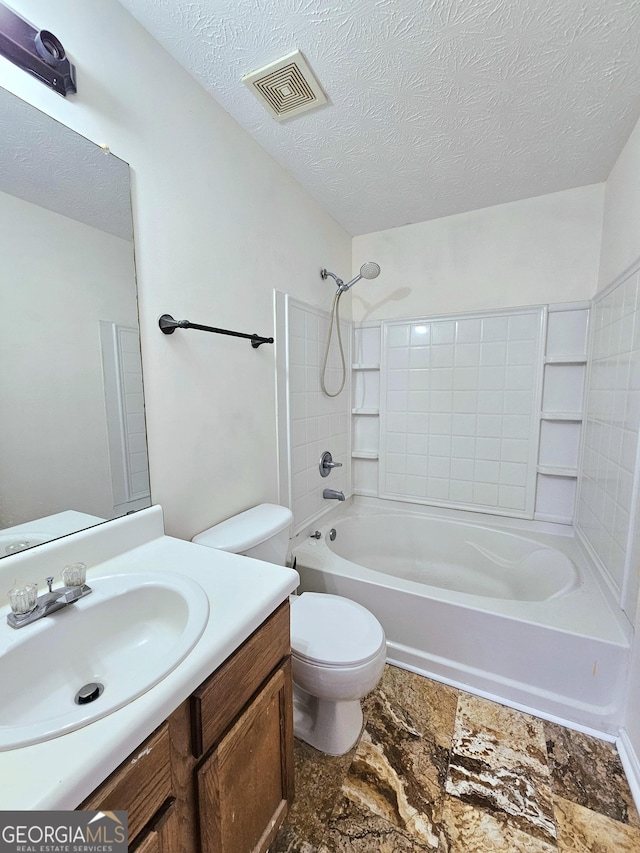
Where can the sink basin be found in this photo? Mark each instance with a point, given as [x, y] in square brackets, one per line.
[128, 635]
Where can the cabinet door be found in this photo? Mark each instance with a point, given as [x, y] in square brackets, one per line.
[163, 834]
[246, 784]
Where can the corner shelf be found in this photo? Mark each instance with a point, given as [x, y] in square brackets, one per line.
[557, 470]
[574, 417]
[364, 454]
[370, 412]
[365, 366]
[565, 359]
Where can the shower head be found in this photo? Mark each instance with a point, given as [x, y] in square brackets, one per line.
[369, 270]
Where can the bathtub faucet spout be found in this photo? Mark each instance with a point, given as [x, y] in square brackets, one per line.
[332, 495]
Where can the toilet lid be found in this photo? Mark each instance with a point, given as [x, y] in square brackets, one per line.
[331, 630]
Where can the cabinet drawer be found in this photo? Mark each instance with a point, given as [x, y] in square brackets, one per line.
[220, 699]
[140, 785]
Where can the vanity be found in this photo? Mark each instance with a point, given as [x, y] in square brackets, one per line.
[203, 759]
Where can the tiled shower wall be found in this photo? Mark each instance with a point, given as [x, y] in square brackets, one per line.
[309, 421]
[460, 398]
[607, 493]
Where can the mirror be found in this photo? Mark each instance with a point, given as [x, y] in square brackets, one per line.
[72, 427]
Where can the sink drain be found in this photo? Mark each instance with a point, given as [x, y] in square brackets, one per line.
[89, 693]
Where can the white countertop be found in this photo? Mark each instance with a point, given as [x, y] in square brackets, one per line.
[62, 772]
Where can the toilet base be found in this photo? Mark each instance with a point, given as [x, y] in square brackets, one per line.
[329, 726]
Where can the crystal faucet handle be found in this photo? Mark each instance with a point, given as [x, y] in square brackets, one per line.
[74, 574]
[23, 599]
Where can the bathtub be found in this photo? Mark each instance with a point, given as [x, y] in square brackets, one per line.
[507, 609]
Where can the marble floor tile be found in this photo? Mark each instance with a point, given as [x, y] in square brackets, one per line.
[318, 780]
[499, 764]
[395, 784]
[440, 770]
[589, 772]
[466, 829]
[581, 830]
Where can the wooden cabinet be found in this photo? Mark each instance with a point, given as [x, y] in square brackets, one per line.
[217, 776]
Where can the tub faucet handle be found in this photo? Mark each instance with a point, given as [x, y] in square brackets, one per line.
[327, 464]
[316, 535]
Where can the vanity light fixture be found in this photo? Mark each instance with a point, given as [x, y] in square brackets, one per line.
[38, 52]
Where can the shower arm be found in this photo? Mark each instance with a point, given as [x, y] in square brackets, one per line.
[168, 326]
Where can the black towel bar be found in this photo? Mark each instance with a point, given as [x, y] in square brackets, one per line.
[168, 326]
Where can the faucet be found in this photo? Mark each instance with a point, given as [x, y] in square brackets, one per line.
[48, 603]
[332, 495]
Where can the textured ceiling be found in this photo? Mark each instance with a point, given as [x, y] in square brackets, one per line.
[45, 163]
[435, 106]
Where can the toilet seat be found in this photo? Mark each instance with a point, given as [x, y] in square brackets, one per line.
[332, 631]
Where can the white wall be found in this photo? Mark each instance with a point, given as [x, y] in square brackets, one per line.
[218, 226]
[54, 453]
[620, 249]
[621, 226]
[536, 251]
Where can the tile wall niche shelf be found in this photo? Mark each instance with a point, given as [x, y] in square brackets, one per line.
[366, 367]
[554, 519]
[565, 359]
[574, 417]
[557, 471]
[561, 417]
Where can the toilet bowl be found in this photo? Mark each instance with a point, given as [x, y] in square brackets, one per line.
[338, 647]
[338, 652]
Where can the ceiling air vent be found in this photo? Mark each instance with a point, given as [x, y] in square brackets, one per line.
[286, 87]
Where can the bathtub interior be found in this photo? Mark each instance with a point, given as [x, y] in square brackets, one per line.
[563, 655]
[463, 557]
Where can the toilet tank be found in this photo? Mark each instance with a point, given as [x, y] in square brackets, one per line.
[261, 532]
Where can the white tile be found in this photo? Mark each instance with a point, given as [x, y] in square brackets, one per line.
[463, 446]
[517, 450]
[438, 466]
[443, 332]
[419, 401]
[437, 489]
[491, 378]
[419, 357]
[465, 401]
[465, 379]
[512, 497]
[486, 494]
[442, 356]
[460, 491]
[417, 422]
[414, 443]
[439, 445]
[440, 424]
[398, 358]
[493, 354]
[523, 327]
[464, 424]
[420, 335]
[513, 474]
[462, 469]
[467, 355]
[495, 328]
[488, 448]
[437, 380]
[417, 465]
[468, 330]
[489, 425]
[425, 379]
[398, 336]
[486, 471]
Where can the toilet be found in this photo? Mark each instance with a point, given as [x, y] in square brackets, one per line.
[338, 648]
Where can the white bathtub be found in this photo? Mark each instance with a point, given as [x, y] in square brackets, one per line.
[506, 609]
